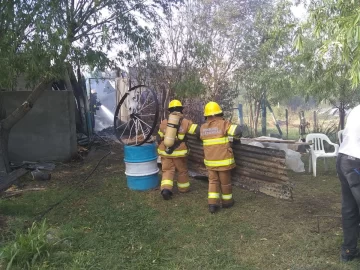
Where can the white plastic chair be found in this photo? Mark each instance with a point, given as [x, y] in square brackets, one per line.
[317, 149]
[341, 136]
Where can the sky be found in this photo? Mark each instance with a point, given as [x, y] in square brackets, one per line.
[299, 11]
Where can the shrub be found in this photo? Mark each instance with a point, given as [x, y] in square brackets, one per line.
[28, 248]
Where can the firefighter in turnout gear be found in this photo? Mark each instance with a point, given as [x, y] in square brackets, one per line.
[218, 154]
[173, 149]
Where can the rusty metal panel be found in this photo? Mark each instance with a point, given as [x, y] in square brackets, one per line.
[257, 169]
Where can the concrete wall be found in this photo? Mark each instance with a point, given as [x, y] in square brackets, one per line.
[47, 132]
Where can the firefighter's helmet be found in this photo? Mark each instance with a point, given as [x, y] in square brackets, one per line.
[212, 108]
[174, 104]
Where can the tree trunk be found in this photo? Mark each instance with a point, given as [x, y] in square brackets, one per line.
[166, 102]
[4, 151]
[76, 95]
[263, 115]
[3, 157]
[83, 103]
[257, 114]
[9, 122]
[251, 121]
[342, 115]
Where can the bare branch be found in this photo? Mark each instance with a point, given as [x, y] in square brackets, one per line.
[92, 11]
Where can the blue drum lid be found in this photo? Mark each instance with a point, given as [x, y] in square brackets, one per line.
[142, 153]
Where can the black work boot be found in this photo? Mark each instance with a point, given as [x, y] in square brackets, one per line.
[228, 205]
[166, 194]
[348, 255]
[213, 208]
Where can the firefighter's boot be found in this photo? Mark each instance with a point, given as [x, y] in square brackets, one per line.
[228, 205]
[213, 208]
[166, 194]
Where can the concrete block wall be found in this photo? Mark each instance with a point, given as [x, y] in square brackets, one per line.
[47, 132]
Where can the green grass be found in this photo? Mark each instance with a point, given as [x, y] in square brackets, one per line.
[107, 226]
[29, 247]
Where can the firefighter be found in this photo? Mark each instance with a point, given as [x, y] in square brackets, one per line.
[218, 154]
[174, 157]
[94, 106]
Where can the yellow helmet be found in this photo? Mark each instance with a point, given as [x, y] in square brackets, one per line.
[212, 108]
[175, 103]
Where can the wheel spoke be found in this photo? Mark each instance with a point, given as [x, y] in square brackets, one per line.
[142, 130]
[144, 122]
[147, 131]
[136, 131]
[146, 115]
[146, 106]
[121, 125]
[131, 130]
[124, 129]
[148, 92]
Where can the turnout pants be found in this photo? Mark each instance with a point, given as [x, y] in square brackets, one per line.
[348, 169]
[169, 166]
[220, 182]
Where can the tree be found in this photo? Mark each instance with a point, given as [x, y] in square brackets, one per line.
[170, 64]
[44, 39]
[337, 25]
[327, 58]
[226, 46]
[215, 29]
[265, 71]
[323, 77]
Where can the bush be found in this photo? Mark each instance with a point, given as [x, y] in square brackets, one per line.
[28, 248]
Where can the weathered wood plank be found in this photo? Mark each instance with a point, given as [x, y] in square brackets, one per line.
[267, 163]
[259, 156]
[8, 180]
[262, 167]
[258, 150]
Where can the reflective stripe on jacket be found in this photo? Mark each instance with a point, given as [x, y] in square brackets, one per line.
[217, 150]
[186, 127]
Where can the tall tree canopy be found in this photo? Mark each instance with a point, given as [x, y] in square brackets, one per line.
[37, 37]
[336, 23]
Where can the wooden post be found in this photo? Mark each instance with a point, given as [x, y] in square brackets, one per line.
[315, 122]
[274, 118]
[287, 123]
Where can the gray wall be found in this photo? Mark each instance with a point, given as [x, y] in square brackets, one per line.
[47, 132]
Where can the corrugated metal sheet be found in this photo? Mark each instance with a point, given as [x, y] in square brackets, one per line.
[257, 169]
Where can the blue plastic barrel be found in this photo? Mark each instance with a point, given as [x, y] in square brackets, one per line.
[141, 166]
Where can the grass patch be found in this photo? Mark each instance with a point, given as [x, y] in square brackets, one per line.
[28, 248]
[107, 226]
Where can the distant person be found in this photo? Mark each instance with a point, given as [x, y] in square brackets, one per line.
[174, 158]
[348, 169]
[219, 159]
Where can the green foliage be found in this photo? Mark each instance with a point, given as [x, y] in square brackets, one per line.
[28, 248]
[321, 73]
[267, 45]
[336, 24]
[189, 86]
[37, 38]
